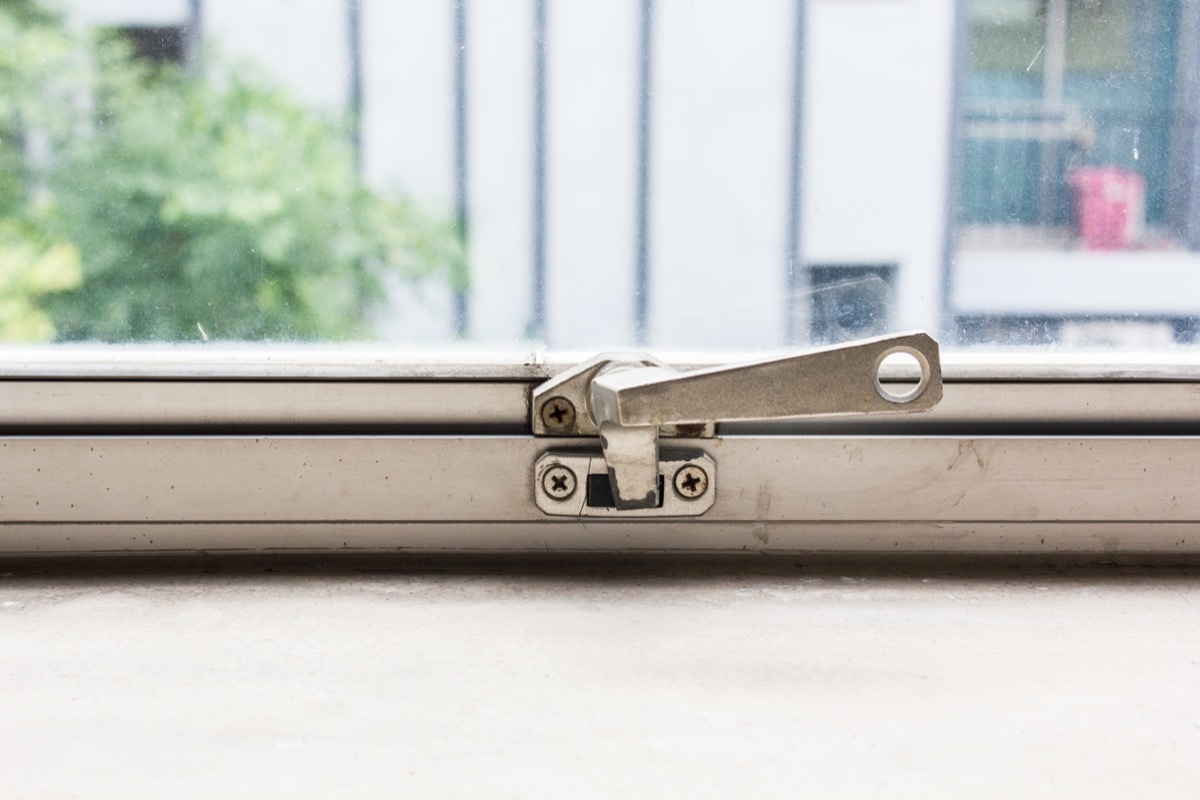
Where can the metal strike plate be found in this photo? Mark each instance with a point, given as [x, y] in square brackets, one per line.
[574, 484]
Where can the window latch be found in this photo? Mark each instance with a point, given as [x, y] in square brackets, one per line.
[630, 401]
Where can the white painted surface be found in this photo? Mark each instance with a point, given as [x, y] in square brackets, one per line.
[603, 680]
[878, 88]
[408, 101]
[592, 73]
[407, 137]
[721, 129]
[1080, 282]
[500, 164]
[303, 43]
[124, 12]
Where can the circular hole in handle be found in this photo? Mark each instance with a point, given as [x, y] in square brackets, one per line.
[908, 374]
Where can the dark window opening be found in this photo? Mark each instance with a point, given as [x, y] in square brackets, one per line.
[851, 301]
[158, 45]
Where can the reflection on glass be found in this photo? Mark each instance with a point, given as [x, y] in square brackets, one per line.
[1078, 184]
[660, 173]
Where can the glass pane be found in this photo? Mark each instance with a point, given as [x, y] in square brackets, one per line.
[1078, 204]
[652, 173]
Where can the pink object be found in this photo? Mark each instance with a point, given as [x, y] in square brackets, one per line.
[1110, 205]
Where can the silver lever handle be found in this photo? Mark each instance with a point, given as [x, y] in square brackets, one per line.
[834, 380]
[626, 400]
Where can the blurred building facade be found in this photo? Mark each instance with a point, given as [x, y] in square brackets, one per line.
[718, 174]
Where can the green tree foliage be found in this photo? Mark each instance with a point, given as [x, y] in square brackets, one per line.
[35, 63]
[169, 206]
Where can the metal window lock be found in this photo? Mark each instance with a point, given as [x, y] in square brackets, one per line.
[630, 402]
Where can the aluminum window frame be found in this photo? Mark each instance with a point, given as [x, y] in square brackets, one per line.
[182, 450]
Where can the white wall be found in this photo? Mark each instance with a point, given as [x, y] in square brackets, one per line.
[876, 141]
[407, 126]
[500, 158]
[722, 128]
[592, 146]
[304, 42]
[124, 12]
[408, 105]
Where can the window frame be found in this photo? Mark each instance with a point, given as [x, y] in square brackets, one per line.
[153, 450]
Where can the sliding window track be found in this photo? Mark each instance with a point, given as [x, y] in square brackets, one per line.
[1077, 458]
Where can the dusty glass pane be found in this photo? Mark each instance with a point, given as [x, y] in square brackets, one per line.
[1078, 203]
[656, 173]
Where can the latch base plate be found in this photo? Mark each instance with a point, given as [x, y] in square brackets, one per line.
[561, 485]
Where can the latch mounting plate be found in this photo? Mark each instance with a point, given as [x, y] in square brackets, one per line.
[563, 485]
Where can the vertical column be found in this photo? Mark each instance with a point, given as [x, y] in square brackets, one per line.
[797, 311]
[1186, 139]
[461, 199]
[536, 329]
[354, 104]
[195, 35]
[955, 159]
[1055, 66]
[1054, 59]
[641, 292]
